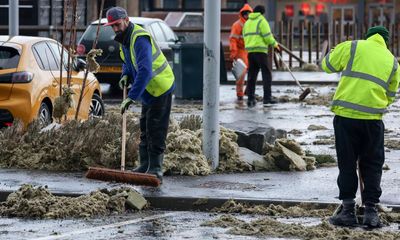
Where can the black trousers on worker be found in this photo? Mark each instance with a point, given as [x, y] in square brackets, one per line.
[154, 122]
[258, 61]
[360, 140]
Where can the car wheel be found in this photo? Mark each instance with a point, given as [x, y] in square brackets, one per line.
[96, 108]
[44, 115]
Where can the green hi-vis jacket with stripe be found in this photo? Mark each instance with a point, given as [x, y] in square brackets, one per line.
[369, 80]
[162, 75]
[257, 34]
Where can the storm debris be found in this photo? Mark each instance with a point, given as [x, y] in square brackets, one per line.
[310, 67]
[63, 103]
[324, 142]
[313, 127]
[91, 63]
[229, 160]
[184, 154]
[302, 210]
[273, 228]
[272, 223]
[191, 122]
[38, 202]
[224, 221]
[72, 147]
[295, 132]
[285, 155]
[392, 144]
[320, 99]
[323, 160]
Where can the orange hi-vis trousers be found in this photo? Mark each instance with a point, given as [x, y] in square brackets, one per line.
[242, 54]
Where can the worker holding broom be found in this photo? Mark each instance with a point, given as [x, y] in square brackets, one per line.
[368, 84]
[257, 38]
[236, 46]
[147, 70]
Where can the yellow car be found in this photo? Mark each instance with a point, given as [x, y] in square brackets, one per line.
[30, 81]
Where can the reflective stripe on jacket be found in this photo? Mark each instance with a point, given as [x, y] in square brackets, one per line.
[369, 80]
[257, 34]
[162, 76]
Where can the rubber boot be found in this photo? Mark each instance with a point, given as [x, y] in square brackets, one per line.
[143, 160]
[346, 216]
[155, 165]
[371, 217]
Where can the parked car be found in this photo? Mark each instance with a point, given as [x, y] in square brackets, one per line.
[110, 62]
[30, 81]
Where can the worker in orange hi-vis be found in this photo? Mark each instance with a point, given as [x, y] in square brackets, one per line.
[236, 46]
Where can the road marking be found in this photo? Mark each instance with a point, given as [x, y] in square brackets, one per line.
[104, 227]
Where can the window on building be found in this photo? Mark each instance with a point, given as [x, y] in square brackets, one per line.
[192, 4]
[235, 4]
[28, 12]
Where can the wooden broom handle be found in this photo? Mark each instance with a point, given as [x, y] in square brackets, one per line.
[123, 135]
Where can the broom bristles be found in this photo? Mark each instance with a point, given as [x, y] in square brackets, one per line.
[112, 175]
[304, 94]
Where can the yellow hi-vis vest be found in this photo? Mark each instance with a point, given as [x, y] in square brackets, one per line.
[369, 79]
[257, 34]
[162, 76]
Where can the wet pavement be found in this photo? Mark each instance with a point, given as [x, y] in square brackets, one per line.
[140, 225]
[144, 225]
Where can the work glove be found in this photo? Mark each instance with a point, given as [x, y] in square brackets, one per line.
[123, 82]
[125, 104]
[277, 48]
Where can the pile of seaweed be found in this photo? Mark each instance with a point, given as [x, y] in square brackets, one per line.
[38, 202]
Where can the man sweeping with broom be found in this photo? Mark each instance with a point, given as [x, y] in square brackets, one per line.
[152, 79]
[369, 82]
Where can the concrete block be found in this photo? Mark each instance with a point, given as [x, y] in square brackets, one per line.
[249, 156]
[289, 160]
[135, 200]
[253, 135]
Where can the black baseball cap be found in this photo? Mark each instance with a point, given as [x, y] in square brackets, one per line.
[115, 15]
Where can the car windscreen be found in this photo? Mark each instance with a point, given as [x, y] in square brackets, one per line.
[106, 33]
[9, 57]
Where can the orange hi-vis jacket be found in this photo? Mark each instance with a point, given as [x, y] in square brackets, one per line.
[236, 41]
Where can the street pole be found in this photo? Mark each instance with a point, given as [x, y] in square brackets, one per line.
[13, 18]
[211, 74]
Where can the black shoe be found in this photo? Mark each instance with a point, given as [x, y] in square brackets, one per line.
[143, 160]
[240, 98]
[251, 103]
[371, 217]
[346, 216]
[155, 165]
[269, 102]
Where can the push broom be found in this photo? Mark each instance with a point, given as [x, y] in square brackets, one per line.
[113, 175]
[305, 91]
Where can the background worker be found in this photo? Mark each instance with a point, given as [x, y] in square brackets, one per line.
[152, 79]
[236, 46]
[257, 38]
[369, 81]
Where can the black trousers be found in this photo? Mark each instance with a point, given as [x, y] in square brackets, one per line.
[154, 122]
[360, 140]
[258, 61]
